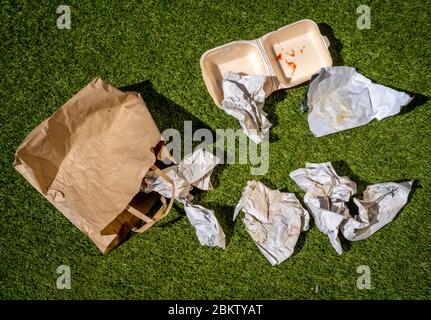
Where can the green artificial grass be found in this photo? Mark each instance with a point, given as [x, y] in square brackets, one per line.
[155, 47]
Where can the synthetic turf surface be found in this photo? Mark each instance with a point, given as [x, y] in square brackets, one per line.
[155, 48]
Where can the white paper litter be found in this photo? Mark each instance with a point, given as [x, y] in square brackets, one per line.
[197, 168]
[340, 98]
[326, 195]
[154, 182]
[208, 229]
[380, 205]
[243, 99]
[273, 219]
[194, 170]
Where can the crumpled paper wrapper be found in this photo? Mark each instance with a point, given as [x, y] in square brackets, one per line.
[380, 206]
[244, 98]
[273, 219]
[208, 229]
[339, 98]
[193, 171]
[327, 195]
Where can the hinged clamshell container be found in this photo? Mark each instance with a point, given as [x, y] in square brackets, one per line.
[288, 56]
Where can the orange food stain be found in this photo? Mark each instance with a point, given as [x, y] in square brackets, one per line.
[279, 57]
[291, 53]
[302, 49]
[291, 64]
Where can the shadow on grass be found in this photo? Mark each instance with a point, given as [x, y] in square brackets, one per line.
[217, 174]
[301, 241]
[224, 215]
[343, 169]
[418, 100]
[181, 214]
[166, 113]
[335, 46]
[416, 185]
[270, 108]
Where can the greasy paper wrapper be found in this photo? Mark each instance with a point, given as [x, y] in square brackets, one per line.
[380, 205]
[208, 229]
[340, 98]
[273, 219]
[89, 158]
[327, 195]
[244, 98]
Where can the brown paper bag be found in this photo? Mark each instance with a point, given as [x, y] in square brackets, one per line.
[89, 158]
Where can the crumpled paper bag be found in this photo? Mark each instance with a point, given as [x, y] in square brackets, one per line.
[339, 98]
[244, 98]
[88, 160]
[380, 205]
[326, 195]
[193, 171]
[273, 219]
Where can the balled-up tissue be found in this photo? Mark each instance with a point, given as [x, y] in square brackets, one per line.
[243, 99]
[326, 195]
[273, 219]
[380, 205]
[339, 98]
[208, 229]
[194, 170]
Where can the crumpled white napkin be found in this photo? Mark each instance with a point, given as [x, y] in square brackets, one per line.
[273, 219]
[380, 205]
[339, 98]
[327, 194]
[208, 229]
[244, 98]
